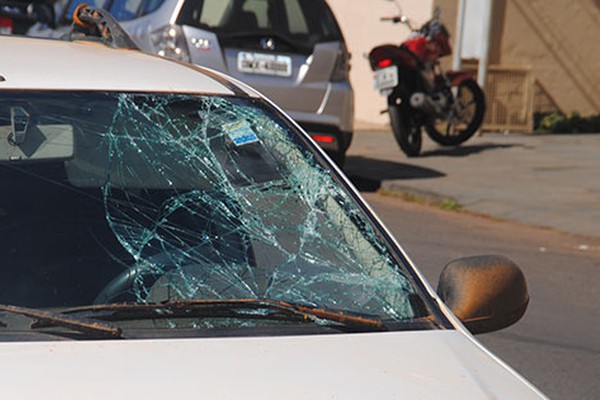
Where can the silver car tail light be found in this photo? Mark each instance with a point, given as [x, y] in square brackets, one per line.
[341, 70]
[170, 42]
[6, 25]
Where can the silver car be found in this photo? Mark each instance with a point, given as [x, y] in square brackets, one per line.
[290, 50]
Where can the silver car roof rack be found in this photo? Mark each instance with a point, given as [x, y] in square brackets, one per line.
[91, 23]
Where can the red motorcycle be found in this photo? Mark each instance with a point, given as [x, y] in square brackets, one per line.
[449, 105]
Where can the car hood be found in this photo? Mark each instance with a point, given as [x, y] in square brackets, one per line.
[424, 365]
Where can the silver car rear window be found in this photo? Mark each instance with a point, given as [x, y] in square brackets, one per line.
[302, 23]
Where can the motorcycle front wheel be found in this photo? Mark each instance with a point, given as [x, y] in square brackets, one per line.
[406, 132]
[464, 118]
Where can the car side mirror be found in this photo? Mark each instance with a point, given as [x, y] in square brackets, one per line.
[486, 293]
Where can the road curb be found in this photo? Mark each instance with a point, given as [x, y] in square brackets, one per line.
[544, 181]
[424, 195]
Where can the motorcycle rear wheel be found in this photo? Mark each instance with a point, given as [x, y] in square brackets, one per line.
[468, 109]
[406, 132]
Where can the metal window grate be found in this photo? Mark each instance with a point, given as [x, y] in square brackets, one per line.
[509, 98]
[542, 100]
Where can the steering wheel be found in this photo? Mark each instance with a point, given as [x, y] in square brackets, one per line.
[119, 289]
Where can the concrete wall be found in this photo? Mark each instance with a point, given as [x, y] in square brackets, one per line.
[359, 21]
[557, 39]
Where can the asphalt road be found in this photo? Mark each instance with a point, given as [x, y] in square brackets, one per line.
[556, 345]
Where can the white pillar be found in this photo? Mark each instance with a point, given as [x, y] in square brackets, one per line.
[485, 43]
[460, 29]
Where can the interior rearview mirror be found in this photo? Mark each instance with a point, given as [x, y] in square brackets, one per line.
[25, 138]
[486, 293]
[19, 122]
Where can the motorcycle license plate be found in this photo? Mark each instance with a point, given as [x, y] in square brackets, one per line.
[386, 78]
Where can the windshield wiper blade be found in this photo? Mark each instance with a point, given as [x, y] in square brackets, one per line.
[228, 307]
[83, 325]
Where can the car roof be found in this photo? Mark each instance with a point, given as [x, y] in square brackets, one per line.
[46, 64]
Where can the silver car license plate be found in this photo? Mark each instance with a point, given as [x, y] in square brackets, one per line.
[386, 78]
[264, 64]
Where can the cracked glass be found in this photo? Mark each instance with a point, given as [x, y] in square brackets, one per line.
[162, 198]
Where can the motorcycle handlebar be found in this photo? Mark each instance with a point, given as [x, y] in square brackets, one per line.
[405, 20]
[400, 19]
[395, 20]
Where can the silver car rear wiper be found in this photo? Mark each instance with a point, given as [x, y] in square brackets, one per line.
[45, 318]
[230, 308]
[260, 34]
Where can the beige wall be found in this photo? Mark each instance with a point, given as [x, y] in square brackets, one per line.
[359, 21]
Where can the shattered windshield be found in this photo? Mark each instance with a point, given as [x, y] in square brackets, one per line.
[162, 199]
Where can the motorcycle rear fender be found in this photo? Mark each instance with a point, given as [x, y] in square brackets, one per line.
[458, 77]
[397, 55]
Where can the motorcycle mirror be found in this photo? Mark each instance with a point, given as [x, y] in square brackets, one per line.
[397, 5]
[437, 12]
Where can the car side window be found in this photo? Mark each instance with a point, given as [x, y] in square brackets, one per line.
[124, 10]
[70, 9]
[151, 6]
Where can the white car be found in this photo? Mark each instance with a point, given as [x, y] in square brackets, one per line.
[167, 233]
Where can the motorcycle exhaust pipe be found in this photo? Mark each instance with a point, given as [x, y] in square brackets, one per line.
[423, 102]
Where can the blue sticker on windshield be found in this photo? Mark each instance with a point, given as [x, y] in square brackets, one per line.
[241, 133]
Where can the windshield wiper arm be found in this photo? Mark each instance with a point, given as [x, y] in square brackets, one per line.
[227, 307]
[82, 325]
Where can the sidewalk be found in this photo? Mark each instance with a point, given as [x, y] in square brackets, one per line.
[542, 180]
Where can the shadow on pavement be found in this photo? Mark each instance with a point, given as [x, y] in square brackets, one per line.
[466, 150]
[367, 173]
